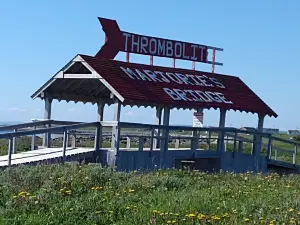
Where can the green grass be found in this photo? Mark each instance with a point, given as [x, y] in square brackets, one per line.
[87, 195]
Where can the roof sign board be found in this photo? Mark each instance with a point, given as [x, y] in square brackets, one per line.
[118, 40]
[177, 87]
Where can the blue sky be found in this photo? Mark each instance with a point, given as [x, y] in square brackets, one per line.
[261, 41]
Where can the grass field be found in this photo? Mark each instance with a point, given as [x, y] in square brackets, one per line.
[89, 194]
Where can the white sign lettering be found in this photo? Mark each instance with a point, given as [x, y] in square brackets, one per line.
[165, 48]
[185, 79]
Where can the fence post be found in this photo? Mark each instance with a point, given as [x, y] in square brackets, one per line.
[209, 139]
[97, 137]
[177, 143]
[73, 144]
[194, 141]
[128, 142]
[269, 150]
[234, 141]
[240, 146]
[275, 157]
[14, 147]
[294, 154]
[64, 145]
[33, 140]
[151, 140]
[141, 144]
[10, 150]
[225, 143]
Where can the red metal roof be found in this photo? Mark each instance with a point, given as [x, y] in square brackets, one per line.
[175, 87]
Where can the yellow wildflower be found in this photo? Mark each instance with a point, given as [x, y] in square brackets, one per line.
[292, 220]
[215, 218]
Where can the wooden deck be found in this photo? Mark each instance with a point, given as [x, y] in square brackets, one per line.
[52, 153]
[40, 155]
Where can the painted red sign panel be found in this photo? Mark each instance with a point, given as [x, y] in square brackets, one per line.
[118, 40]
[174, 87]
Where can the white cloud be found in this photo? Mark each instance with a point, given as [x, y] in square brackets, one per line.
[71, 110]
[15, 109]
[130, 113]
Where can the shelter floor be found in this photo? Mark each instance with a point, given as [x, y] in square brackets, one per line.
[51, 153]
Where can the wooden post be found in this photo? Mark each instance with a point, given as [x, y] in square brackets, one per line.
[128, 142]
[269, 151]
[47, 116]
[73, 141]
[115, 141]
[33, 140]
[100, 114]
[226, 143]
[209, 140]
[165, 140]
[64, 145]
[141, 144]
[14, 143]
[177, 143]
[295, 154]
[234, 144]
[97, 137]
[195, 141]
[156, 142]
[258, 138]
[220, 143]
[240, 146]
[10, 150]
[151, 140]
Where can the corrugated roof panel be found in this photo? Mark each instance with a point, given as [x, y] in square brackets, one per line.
[177, 87]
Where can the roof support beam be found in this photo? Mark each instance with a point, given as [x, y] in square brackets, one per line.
[47, 116]
[115, 141]
[220, 144]
[258, 138]
[156, 143]
[165, 135]
[100, 107]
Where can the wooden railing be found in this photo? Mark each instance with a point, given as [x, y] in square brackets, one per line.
[234, 139]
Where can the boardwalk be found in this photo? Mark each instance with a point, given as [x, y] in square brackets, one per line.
[52, 153]
[41, 154]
